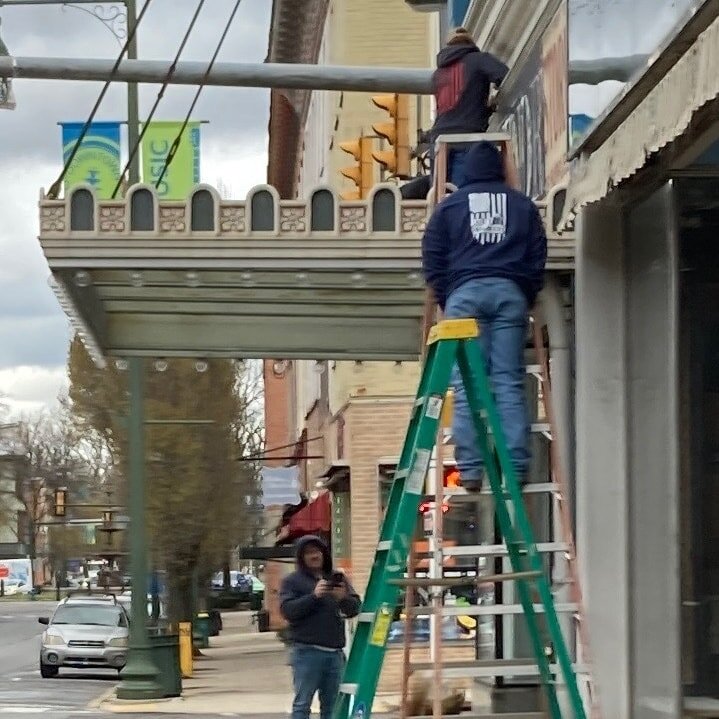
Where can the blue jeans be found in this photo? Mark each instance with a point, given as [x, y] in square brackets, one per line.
[315, 671]
[455, 166]
[501, 309]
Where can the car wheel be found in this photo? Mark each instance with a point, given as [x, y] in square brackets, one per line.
[47, 671]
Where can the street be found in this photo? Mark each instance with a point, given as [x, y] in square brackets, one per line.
[22, 690]
[74, 694]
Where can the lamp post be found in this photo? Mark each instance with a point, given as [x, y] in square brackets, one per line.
[139, 677]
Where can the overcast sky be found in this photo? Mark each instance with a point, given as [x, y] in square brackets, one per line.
[33, 331]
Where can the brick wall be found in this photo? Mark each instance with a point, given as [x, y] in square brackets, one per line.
[375, 428]
[382, 33]
[371, 379]
[279, 429]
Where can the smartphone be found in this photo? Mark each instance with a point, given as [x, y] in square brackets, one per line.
[337, 579]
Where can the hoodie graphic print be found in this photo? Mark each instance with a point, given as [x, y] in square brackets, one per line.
[488, 216]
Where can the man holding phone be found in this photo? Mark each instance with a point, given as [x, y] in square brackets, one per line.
[316, 600]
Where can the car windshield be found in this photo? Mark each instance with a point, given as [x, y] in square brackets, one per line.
[98, 615]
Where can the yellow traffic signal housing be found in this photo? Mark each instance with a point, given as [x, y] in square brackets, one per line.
[361, 173]
[60, 501]
[396, 132]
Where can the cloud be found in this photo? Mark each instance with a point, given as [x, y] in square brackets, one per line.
[28, 389]
[33, 331]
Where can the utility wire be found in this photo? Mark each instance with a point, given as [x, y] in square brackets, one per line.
[158, 99]
[176, 144]
[55, 188]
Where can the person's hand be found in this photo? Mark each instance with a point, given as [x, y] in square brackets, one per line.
[340, 592]
[321, 588]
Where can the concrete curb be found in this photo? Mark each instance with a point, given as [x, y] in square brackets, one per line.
[98, 701]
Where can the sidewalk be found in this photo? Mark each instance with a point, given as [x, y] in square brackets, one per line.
[243, 672]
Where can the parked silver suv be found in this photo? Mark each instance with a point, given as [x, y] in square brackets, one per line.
[86, 634]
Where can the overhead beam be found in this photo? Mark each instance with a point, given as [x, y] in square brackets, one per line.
[228, 74]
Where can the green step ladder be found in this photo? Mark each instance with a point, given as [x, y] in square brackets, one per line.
[450, 342]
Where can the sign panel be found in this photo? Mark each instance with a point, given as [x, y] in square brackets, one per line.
[280, 485]
[525, 123]
[97, 162]
[16, 570]
[184, 171]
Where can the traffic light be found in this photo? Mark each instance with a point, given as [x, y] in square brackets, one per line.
[396, 132]
[60, 501]
[361, 173]
[451, 478]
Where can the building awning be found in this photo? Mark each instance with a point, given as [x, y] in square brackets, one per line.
[314, 518]
[336, 475]
[666, 111]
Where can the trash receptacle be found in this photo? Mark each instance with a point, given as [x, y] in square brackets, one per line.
[201, 630]
[263, 621]
[215, 622]
[166, 655]
[256, 601]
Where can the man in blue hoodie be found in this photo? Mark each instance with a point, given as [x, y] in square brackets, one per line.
[483, 255]
[462, 83]
[315, 601]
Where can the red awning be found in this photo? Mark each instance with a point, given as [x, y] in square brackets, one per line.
[314, 518]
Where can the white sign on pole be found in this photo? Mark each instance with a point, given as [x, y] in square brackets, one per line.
[280, 485]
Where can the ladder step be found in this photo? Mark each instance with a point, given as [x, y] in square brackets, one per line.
[490, 610]
[459, 494]
[498, 550]
[384, 545]
[365, 617]
[350, 689]
[490, 668]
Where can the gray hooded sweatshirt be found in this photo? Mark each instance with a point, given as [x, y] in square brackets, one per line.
[317, 621]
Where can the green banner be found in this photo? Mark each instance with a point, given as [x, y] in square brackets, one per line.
[184, 171]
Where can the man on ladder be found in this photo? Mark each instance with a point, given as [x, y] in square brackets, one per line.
[462, 86]
[483, 255]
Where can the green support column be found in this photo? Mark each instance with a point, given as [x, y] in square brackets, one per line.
[133, 103]
[139, 677]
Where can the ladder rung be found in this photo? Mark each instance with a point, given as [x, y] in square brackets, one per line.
[365, 617]
[491, 668]
[384, 545]
[460, 581]
[460, 493]
[499, 550]
[467, 137]
[491, 610]
[350, 689]
[535, 428]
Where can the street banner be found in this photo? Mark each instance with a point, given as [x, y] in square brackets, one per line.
[184, 172]
[97, 163]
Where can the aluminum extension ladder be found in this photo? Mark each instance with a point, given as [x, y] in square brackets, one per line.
[453, 341]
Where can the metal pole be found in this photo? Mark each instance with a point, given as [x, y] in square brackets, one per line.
[280, 75]
[133, 102]
[139, 677]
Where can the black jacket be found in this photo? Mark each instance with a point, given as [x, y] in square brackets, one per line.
[484, 229]
[461, 85]
[315, 620]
